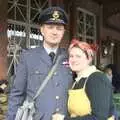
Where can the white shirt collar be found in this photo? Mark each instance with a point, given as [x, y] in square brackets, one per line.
[86, 72]
[49, 50]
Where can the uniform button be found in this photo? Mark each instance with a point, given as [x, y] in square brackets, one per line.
[71, 72]
[57, 84]
[57, 109]
[55, 73]
[37, 72]
[57, 97]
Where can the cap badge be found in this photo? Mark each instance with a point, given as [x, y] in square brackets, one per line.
[55, 15]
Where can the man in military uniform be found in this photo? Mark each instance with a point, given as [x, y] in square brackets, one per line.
[34, 66]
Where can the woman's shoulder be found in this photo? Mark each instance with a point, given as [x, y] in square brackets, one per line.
[99, 77]
[98, 73]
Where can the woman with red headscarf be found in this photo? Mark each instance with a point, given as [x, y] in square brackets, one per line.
[90, 97]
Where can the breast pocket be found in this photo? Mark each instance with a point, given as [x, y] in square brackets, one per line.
[36, 78]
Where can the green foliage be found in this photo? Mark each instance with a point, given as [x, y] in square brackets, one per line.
[117, 102]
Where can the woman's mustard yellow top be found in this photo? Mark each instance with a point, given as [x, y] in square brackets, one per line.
[78, 102]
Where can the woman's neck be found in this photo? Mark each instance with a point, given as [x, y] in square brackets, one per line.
[87, 71]
[82, 70]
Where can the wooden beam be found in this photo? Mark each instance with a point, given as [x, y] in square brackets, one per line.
[110, 9]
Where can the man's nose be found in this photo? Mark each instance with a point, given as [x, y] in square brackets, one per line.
[55, 30]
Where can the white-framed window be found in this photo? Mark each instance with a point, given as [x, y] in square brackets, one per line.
[86, 25]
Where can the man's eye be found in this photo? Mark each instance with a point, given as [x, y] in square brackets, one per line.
[60, 28]
[49, 27]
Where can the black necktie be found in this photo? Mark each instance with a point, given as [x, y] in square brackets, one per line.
[52, 55]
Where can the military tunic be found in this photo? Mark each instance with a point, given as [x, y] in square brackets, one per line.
[32, 69]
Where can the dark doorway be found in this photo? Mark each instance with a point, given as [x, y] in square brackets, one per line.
[116, 55]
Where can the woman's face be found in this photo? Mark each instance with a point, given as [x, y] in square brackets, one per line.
[78, 60]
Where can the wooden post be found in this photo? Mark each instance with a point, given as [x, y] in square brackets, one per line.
[3, 39]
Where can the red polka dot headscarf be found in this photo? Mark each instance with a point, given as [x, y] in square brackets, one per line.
[88, 49]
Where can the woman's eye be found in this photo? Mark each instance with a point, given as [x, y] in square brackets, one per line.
[78, 56]
[70, 56]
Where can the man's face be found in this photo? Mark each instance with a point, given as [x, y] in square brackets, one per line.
[53, 33]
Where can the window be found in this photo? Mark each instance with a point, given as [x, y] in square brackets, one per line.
[86, 25]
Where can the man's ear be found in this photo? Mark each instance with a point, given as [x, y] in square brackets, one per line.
[41, 30]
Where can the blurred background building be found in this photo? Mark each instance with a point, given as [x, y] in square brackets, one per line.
[92, 20]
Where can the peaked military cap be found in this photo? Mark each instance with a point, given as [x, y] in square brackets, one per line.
[53, 15]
